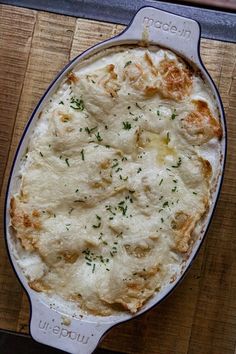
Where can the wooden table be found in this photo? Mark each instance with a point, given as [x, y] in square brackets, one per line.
[200, 316]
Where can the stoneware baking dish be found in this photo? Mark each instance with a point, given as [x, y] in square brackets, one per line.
[48, 323]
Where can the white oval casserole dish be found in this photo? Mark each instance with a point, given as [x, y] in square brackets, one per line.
[82, 334]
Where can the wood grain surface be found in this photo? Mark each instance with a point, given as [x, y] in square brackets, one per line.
[200, 315]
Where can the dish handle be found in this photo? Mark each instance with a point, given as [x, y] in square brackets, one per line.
[74, 336]
[165, 29]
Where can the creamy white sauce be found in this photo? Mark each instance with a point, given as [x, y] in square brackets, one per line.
[151, 167]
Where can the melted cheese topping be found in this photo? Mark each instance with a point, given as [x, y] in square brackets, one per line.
[116, 179]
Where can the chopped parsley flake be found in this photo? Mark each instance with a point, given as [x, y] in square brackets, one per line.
[61, 102]
[115, 164]
[128, 63]
[82, 154]
[165, 204]
[173, 115]
[167, 138]
[70, 211]
[139, 170]
[93, 270]
[160, 181]
[40, 153]
[122, 207]
[174, 189]
[118, 169]
[195, 193]
[108, 207]
[98, 137]
[97, 226]
[67, 162]
[126, 125]
[178, 163]
[89, 131]
[77, 103]
[138, 106]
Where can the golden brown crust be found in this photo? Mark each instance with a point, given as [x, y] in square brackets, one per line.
[72, 78]
[151, 90]
[201, 123]
[25, 224]
[206, 168]
[109, 81]
[176, 80]
[69, 257]
[149, 61]
[39, 285]
[64, 117]
[183, 225]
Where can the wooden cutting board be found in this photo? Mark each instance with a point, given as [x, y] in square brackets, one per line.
[200, 316]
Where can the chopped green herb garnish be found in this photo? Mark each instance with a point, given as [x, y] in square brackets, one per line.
[167, 138]
[115, 165]
[106, 127]
[166, 204]
[70, 211]
[98, 137]
[128, 63]
[82, 154]
[108, 207]
[98, 217]
[122, 208]
[139, 170]
[173, 189]
[138, 106]
[174, 115]
[160, 181]
[126, 125]
[89, 131]
[40, 153]
[162, 220]
[158, 112]
[97, 226]
[118, 169]
[61, 102]
[67, 162]
[76, 191]
[195, 193]
[77, 104]
[94, 265]
[178, 163]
